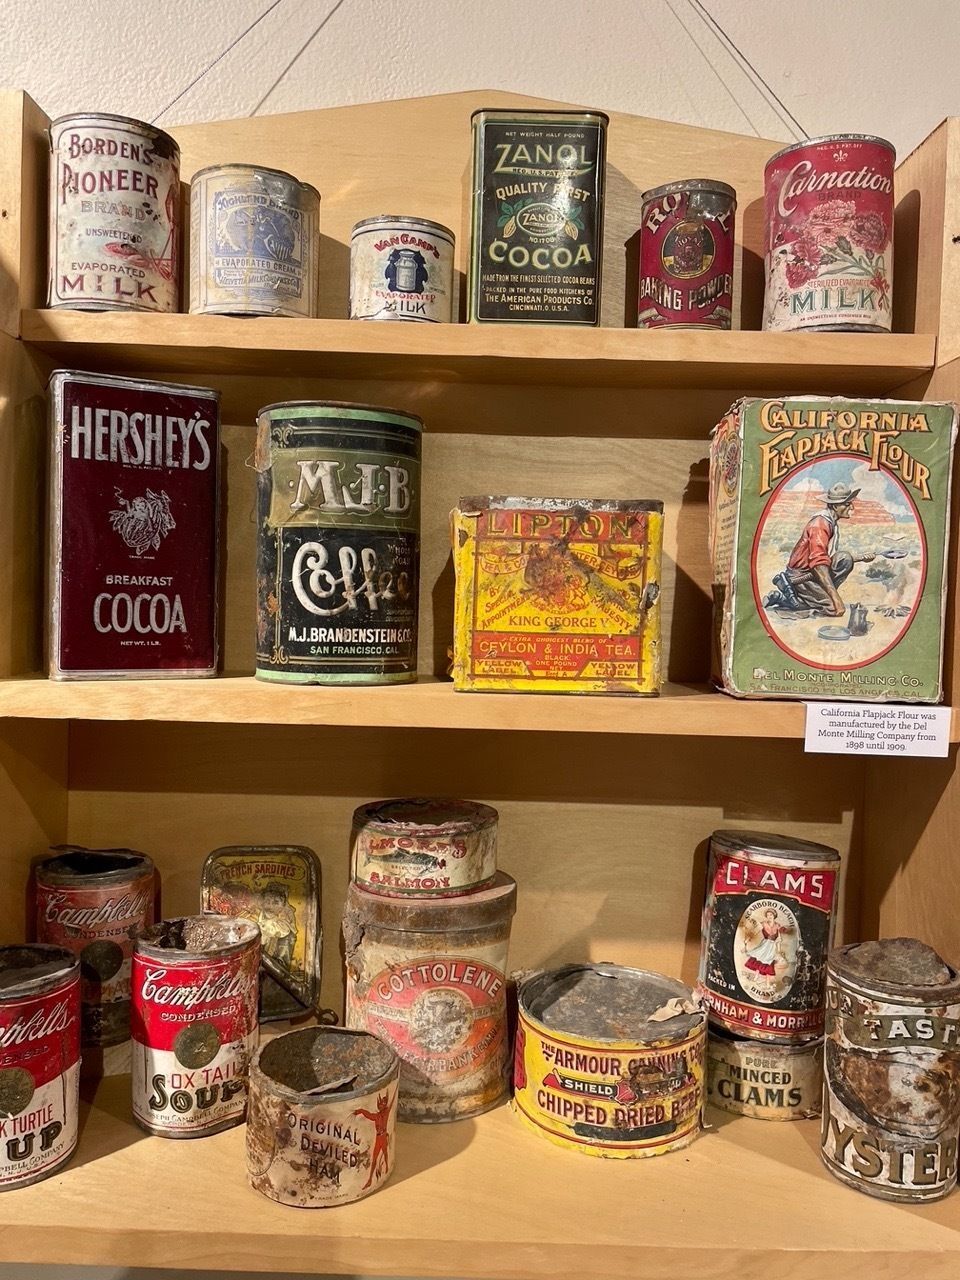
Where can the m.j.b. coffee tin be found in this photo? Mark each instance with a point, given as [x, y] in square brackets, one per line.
[686, 255]
[401, 269]
[424, 847]
[764, 1080]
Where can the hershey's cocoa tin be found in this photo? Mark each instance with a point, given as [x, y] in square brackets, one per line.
[424, 847]
[428, 977]
[39, 1062]
[134, 509]
[829, 234]
[401, 269]
[93, 902]
[322, 1119]
[338, 543]
[891, 1101]
[767, 928]
[114, 215]
[763, 1080]
[609, 1060]
[194, 1024]
[686, 255]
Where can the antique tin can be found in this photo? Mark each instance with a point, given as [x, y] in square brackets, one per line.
[322, 1120]
[93, 902]
[114, 215]
[277, 886]
[424, 847]
[194, 1024]
[536, 249]
[829, 234]
[134, 508]
[686, 255]
[609, 1060]
[338, 543]
[766, 1081]
[891, 1102]
[401, 269]
[39, 1062]
[254, 243]
[428, 977]
[557, 595]
[767, 927]
[829, 523]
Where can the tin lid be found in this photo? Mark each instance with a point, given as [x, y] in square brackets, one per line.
[831, 137]
[256, 170]
[520, 114]
[333, 409]
[904, 968]
[425, 817]
[690, 184]
[578, 506]
[32, 968]
[319, 1064]
[60, 376]
[786, 848]
[413, 221]
[610, 1003]
[167, 143]
[720, 1036]
[78, 866]
[189, 938]
[482, 908]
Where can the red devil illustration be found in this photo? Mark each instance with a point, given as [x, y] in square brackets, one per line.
[380, 1118]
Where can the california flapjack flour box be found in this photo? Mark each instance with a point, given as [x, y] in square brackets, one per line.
[829, 523]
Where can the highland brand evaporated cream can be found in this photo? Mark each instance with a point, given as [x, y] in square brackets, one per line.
[686, 255]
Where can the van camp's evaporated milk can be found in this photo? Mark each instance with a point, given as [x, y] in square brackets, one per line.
[401, 269]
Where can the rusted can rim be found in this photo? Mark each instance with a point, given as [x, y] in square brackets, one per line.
[34, 969]
[650, 991]
[505, 113]
[425, 817]
[478, 909]
[151, 130]
[74, 865]
[773, 1048]
[347, 1055]
[256, 170]
[849, 970]
[331, 408]
[781, 848]
[58, 376]
[711, 185]
[189, 939]
[572, 505]
[407, 219]
[832, 137]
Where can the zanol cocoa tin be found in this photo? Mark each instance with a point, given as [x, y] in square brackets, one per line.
[401, 269]
[766, 1081]
[435, 848]
[686, 255]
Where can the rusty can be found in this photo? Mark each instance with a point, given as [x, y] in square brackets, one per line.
[194, 1024]
[428, 977]
[829, 234]
[424, 847]
[609, 1060]
[763, 1080]
[891, 1101]
[114, 215]
[401, 269]
[768, 925]
[686, 255]
[322, 1119]
[39, 1062]
[93, 902]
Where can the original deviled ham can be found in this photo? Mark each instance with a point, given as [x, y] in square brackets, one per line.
[424, 847]
[609, 1060]
[763, 1080]
[686, 255]
[428, 976]
[114, 239]
[891, 1102]
[829, 234]
[401, 269]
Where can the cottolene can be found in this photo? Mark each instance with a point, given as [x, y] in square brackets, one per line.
[39, 1062]
[254, 243]
[322, 1118]
[829, 234]
[428, 976]
[401, 269]
[93, 902]
[766, 1081]
[194, 1024]
[424, 847]
[609, 1060]
[686, 255]
[338, 543]
[768, 925]
[891, 1101]
[114, 215]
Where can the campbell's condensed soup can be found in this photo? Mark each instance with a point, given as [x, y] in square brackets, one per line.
[39, 1062]
[401, 269]
[686, 255]
[829, 234]
[422, 846]
[114, 215]
[194, 1023]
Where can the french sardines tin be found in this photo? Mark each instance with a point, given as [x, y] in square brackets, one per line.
[609, 1060]
[891, 1105]
[254, 243]
[93, 902]
[338, 543]
[768, 924]
[424, 846]
[39, 1062]
[134, 505]
[536, 247]
[686, 255]
[114, 215]
[322, 1117]
[194, 1024]
[829, 234]
[766, 1081]
[401, 269]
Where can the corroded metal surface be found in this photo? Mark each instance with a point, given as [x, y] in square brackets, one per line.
[434, 847]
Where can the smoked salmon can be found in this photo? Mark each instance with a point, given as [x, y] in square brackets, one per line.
[763, 1080]
[421, 846]
[686, 255]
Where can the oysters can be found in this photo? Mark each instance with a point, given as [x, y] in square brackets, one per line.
[322, 1119]
[114, 215]
[829, 234]
[583, 1081]
[194, 1024]
[766, 1081]
[401, 269]
[424, 847]
[686, 255]
[891, 1102]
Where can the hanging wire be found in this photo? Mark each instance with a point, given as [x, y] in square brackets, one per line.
[695, 111]
[716, 74]
[297, 56]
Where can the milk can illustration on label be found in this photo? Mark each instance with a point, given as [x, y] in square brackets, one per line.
[424, 847]
[767, 1081]
[401, 269]
[686, 255]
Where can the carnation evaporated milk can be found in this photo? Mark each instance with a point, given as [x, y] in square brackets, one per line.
[423, 846]
[686, 255]
[401, 269]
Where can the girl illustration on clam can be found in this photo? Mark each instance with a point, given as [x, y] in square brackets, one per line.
[764, 947]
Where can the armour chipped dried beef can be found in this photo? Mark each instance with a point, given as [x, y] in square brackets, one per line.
[401, 269]
[424, 847]
[686, 255]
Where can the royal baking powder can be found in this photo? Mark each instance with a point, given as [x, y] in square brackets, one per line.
[194, 1024]
[686, 255]
[401, 269]
[424, 847]
[763, 1080]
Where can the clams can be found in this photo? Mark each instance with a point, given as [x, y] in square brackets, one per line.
[194, 1024]
[891, 1102]
[582, 1081]
[322, 1120]
[766, 1081]
[424, 847]
[114, 215]
[686, 255]
[401, 269]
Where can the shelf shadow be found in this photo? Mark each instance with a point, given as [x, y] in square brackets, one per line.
[106, 1121]
[426, 1146]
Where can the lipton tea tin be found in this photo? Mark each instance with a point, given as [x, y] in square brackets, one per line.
[422, 846]
[686, 255]
[766, 1081]
[829, 522]
[557, 595]
[401, 269]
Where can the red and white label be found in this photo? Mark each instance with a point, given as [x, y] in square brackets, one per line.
[813, 888]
